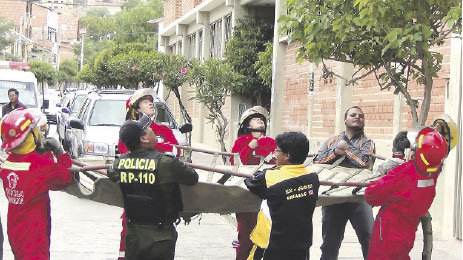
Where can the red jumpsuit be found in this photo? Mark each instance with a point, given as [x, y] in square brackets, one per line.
[168, 139]
[248, 156]
[165, 144]
[27, 178]
[404, 196]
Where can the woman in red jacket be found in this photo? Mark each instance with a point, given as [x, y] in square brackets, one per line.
[142, 102]
[27, 177]
[405, 194]
[253, 146]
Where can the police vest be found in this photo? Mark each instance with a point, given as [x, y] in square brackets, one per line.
[147, 200]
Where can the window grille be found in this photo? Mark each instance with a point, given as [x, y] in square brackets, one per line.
[216, 37]
[192, 46]
[200, 43]
[228, 28]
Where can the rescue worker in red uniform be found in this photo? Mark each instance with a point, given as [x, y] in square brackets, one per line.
[405, 194]
[142, 102]
[27, 177]
[252, 145]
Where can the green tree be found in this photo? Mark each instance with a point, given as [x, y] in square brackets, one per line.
[67, 72]
[134, 68]
[390, 39]
[263, 65]
[5, 36]
[44, 72]
[174, 75]
[132, 23]
[214, 81]
[98, 12]
[249, 38]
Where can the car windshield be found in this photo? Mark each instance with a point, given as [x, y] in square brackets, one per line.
[163, 116]
[27, 94]
[78, 100]
[108, 112]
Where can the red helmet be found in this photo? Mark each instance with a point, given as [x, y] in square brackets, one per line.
[431, 150]
[15, 127]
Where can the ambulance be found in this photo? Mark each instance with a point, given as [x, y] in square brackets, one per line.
[15, 74]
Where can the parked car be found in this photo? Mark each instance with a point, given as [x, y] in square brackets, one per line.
[95, 131]
[70, 106]
[51, 104]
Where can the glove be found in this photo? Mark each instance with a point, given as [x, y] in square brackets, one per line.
[52, 145]
[388, 165]
[400, 143]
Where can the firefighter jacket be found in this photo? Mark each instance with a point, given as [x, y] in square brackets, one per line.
[165, 144]
[265, 148]
[27, 178]
[357, 155]
[289, 195]
[149, 183]
[404, 196]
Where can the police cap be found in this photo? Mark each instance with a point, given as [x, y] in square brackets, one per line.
[132, 130]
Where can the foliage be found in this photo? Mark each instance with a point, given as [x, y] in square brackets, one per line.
[98, 12]
[174, 75]
[134, 67]
[264, 65]
[214, 81]
[132, 23]
[5, 37]
[249, 38]
[43, 71]
[128, 25]
[391, 39]
[67, 72]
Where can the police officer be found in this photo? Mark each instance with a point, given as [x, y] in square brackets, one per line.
[149, 181]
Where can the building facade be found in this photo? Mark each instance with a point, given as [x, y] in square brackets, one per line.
[40, 32]
[305, 98]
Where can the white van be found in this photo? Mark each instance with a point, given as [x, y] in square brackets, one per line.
[12, 75]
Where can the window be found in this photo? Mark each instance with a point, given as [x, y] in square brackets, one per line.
[173, 49]
[179, 48]
[51, 36]
[200, 45]
[216, 38]
[228, 28]
[192, 46]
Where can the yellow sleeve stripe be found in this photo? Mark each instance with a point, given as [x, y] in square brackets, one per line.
[16, 166]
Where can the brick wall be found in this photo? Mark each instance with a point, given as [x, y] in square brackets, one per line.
[439, 90]
[172, 11]
[377, 105]
[295, 100]
[68, 27]
[13, 11]
[188, 5]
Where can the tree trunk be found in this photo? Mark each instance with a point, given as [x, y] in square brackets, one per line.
[426, 225]
[427, 91]
[185, 114]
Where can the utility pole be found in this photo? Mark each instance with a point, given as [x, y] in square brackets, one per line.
[82, 33]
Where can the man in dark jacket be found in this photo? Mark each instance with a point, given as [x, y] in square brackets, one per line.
[13, 95]
[149, 182]
[356, 148]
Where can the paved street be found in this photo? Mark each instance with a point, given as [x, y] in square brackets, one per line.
[83, 229]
